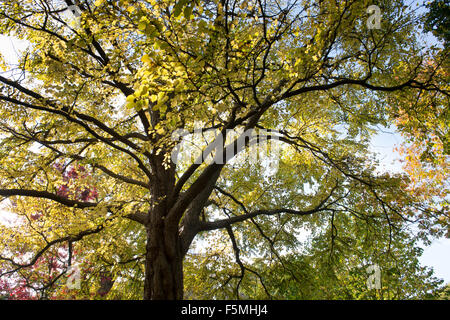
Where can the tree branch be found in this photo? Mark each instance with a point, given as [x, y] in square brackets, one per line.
[47, 195]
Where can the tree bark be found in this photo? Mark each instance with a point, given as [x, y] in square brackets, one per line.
[164, 257]
[163, 264]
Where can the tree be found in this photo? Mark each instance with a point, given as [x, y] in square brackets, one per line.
[116, 86]
[437, 19]
[445, 294]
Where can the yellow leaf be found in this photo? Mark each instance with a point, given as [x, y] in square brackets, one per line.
[153, 98]
[146, 59]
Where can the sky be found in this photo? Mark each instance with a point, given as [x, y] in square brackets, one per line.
[437, 255]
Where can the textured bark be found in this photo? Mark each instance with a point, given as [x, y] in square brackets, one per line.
[163, 265]
[164, 258]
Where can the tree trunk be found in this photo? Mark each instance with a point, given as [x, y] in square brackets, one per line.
[164, 257]
[163, 263]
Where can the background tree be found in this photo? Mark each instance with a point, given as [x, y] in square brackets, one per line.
[437, 19]
[445, 294]
[111, 90]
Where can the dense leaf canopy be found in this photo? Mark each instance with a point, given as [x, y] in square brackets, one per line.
[88, 133]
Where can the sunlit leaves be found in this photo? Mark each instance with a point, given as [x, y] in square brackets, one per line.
[109, 95]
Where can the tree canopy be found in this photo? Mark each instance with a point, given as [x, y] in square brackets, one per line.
[437, 19]
[219, 148]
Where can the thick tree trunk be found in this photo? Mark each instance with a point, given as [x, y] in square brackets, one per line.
[163, 264]
[164, 257]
